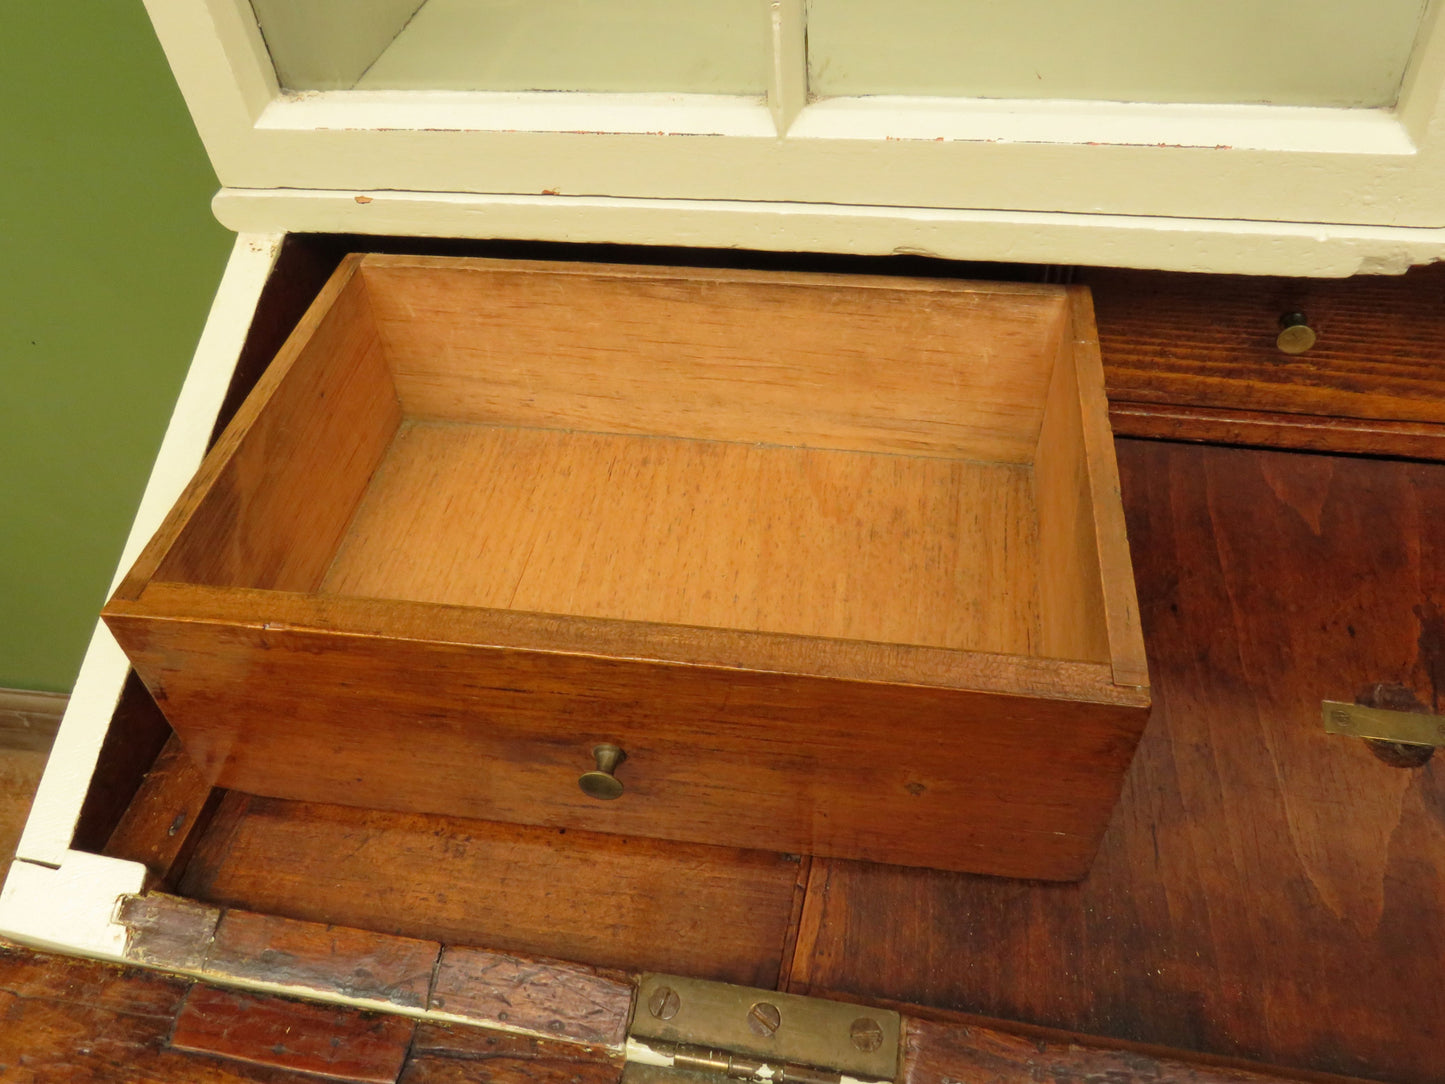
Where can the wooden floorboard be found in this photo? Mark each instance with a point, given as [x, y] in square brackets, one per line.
[607, 900]
[1265, 890]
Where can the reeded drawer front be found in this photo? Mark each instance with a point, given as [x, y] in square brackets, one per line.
[839, 562]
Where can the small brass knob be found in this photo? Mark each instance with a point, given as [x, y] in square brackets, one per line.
[601, 783]
[1295, 335]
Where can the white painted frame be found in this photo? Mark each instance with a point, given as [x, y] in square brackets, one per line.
[1204, 163]
[55, 897]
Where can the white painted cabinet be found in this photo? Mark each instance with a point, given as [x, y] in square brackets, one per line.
[1280, 136]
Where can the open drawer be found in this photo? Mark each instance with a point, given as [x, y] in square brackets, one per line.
[837, 562]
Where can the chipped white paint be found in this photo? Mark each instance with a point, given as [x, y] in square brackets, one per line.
[1105, 240]
[69, 908]
[1328, 169]
[51, 824]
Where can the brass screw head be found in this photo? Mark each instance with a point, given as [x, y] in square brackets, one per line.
[664, 1003]
[866, 1034]
[764, 1018]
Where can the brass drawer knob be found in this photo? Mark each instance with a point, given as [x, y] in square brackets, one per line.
[601, 783]
[1295, 335]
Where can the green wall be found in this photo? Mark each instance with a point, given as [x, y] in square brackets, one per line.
[108, 260]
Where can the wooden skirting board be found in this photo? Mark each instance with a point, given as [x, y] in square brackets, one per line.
[29, 720]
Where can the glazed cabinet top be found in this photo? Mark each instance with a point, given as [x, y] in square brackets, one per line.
[1275, 112]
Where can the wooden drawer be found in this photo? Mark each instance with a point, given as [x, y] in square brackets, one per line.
[839, 562]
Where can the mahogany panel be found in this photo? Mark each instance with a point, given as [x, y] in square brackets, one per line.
[714, 754]
[80, 1022]
[320, 1039]
[1265, 890]
[1303, 432]
[602, 900]
[443, 1054]
[939, 1048]
[1184, 340]
[90, 985]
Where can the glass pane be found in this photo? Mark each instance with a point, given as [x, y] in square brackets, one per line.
[1336, 53]
[699, 47]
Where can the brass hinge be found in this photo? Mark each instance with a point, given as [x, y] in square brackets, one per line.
[1409, 727]
[689, 1031]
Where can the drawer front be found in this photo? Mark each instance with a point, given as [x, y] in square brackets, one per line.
[1010, 785]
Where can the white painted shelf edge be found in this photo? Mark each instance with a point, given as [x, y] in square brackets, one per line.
[1171, 244]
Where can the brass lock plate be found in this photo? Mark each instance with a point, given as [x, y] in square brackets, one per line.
[1407, 727]
[696, 1027]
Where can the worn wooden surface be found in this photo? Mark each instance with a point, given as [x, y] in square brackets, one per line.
[276, 491]
[321, 1039]
[814, 542]
[167, 932]
[939, 1048]
[358, 964]
[602, 900]
[568, 1001]
[715, 754]
[79, 1021]
[136, 735]
[863, 363]
[72, 1020]
[1183, 353]
[1302, 432]
[450, 1054]
[164, 819]
[1265, 890]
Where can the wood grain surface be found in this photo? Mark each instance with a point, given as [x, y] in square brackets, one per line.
[568, 1001]
[1193, 357]
[866, 363]
[77, 1021]
[1209, 341]
[887, 548]
[1302, 432]
[317, 1039]
[275, 493]
[135, 737]
[943, 1047]
[1024, 786]
[1265, 890]
[163, 820]
[616, 902]
[446, 1054]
